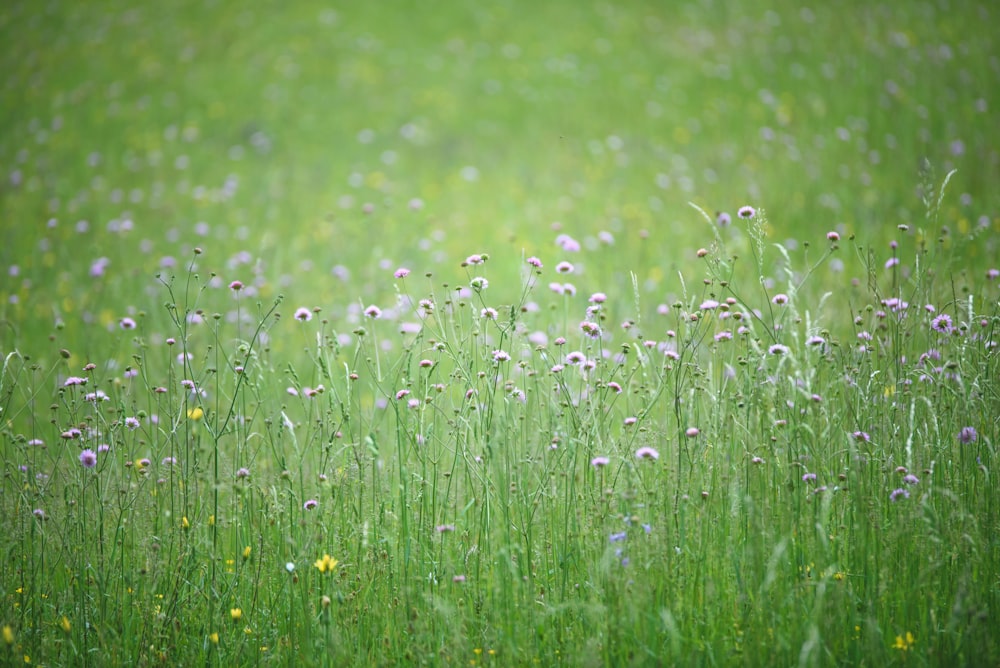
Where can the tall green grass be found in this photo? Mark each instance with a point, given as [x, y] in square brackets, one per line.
[294, 374]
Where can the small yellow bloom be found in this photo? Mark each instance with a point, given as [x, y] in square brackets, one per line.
[838, 576]
[246, 552]
[64, 624]
[903, 643]
[184, 523]
[195, 413]
[236, 614]
[214, 638]
[211, 520]
[8, 635]
[27, 659]
[326, 563]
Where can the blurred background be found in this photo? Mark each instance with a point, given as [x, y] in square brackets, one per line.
[311, 148]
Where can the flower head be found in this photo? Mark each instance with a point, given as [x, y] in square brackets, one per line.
[88, 458]
[967, 435]
[647, 452]
[746, 212]
[325, 564]
[302, 314]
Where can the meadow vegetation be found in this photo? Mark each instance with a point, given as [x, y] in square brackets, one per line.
[500, 334]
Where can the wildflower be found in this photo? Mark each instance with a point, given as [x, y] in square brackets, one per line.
[479, 284]
[692, 432]
[723, 219]
[74, 380]
[39, 513]
[126, 323]
[236, 286]
[942, 324]
[631, 420]
[534, 262]
[967, 435]
[746, 212]
[310, 504]
[64, 624]
[709, 305]
[903, 643]
[373, 312]
[489, 313]
[897, 493]
[213, 638]
[132, 423]
[236, 614]
[780, 299]
[290, 566]
[302, 314]
[401, 394]
[168, 461]
[809, 477]
[911, 479]
[593, 330]
[757, 460]
[617, 537]
[195, 413]
[615, 387]
[862, 436]
[815, 341]
[185, 524]
[242, 473]
[71, 433]
[458, 579]
[425, 364]
[833, 236]
[778, 349]
[564, 268]
[475, 258]
[444, 528]
[647, 452]
[402, 272]
[501, 356]
[598, 462]
[8, 634]
[246, 552]
[325, 564]
[724, 335]
[598, 298]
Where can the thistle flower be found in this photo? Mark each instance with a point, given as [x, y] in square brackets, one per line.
[88, 458]
[967, 435]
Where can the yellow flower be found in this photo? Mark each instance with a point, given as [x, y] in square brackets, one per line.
[236, 614]
[246, 552]
[195, 413]
[326, 563]
[184, 523]
[904, 643]
[8, 635]
[214, 638]
[64, 624]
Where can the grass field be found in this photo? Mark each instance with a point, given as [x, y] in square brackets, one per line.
[505, 333]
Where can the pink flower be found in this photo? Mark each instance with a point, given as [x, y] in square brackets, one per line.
[647, 452]
[402, 272]
[303, 314]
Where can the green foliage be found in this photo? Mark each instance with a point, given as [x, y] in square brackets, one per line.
[284, 383]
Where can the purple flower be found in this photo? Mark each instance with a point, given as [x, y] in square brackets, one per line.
[303, 314]
[911, 479]
[243, 473]
[778, 349]
[967, 435]
[942, 324]
[647, 452]
[534, 262]
[444, 528]
[132, 423]
[501, 356]
[723, 219]
[692, 432]
[88, 458]
[809, 477]
[373, 312]
[598, 462]
[591, 329]
[897, 493]
[780, 299]
[402, 272]
[746, 212]
[564, 268]
[236, 286]
[126, 323]
[618, 537]
[862, 436]
[310, 504]
[74, 380]
[479, 284]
